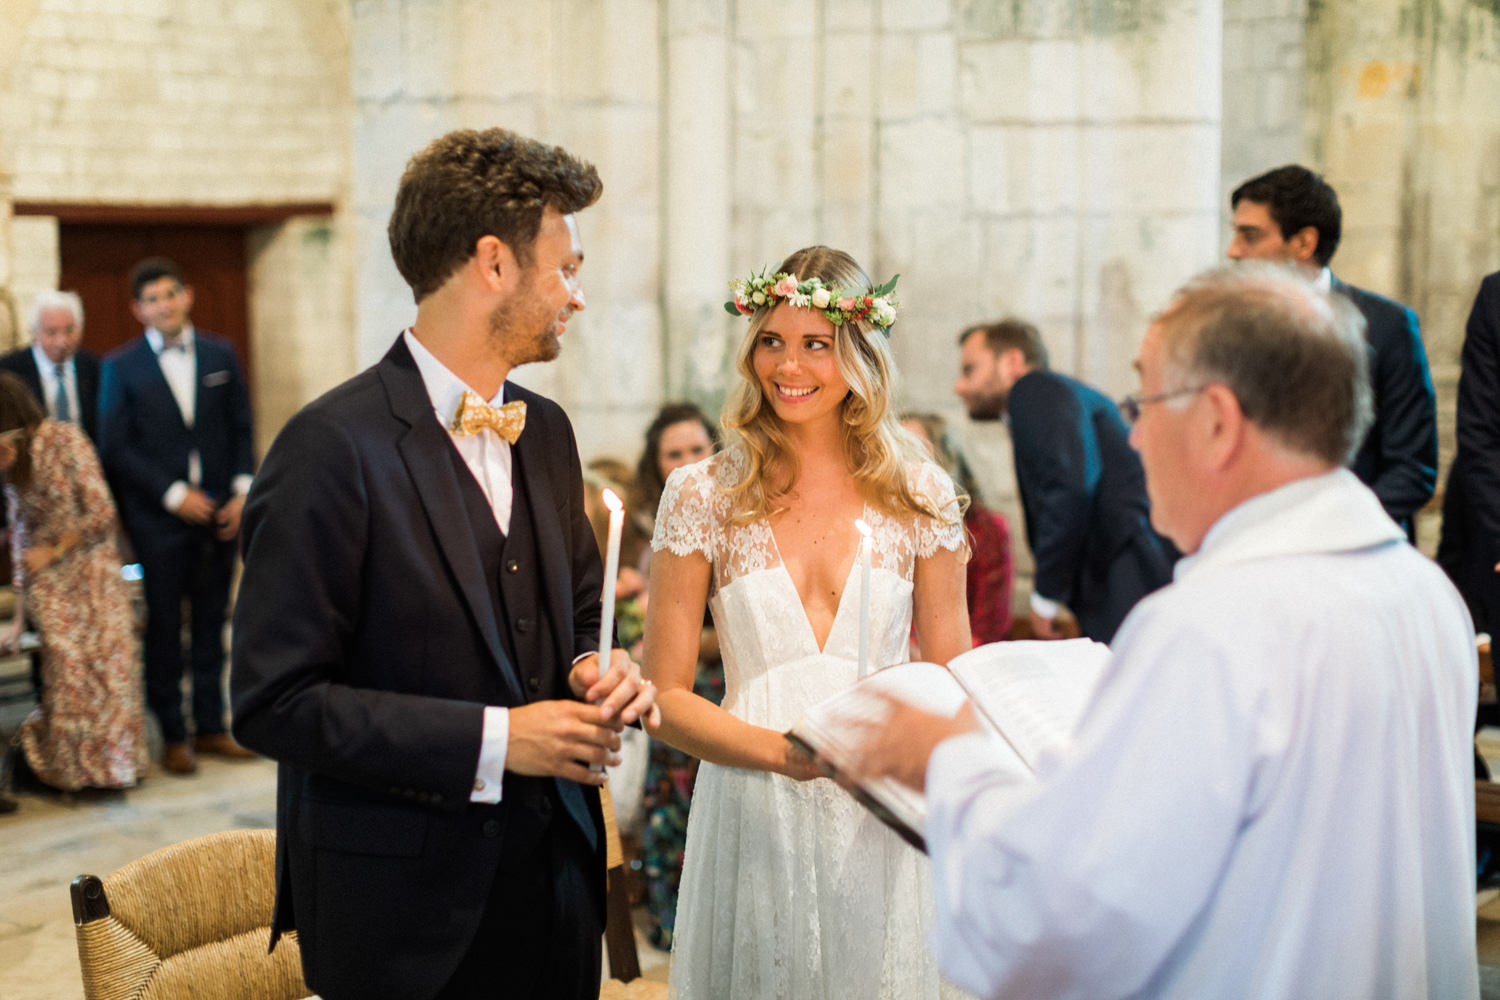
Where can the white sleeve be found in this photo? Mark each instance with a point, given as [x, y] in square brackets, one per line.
[493, 742]
[1080, 884]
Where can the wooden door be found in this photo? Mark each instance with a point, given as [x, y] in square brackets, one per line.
[96, 259]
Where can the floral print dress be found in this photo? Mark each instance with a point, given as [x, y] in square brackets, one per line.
[89, 730]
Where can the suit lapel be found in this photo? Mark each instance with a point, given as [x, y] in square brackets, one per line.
[423, 450]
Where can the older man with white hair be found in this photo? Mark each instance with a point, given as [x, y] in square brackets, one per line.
[1270, 794]
[64, 378]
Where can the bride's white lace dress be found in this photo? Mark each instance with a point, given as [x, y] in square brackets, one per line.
[791, 889]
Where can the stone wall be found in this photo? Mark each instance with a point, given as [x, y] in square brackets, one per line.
[214, 103]
[1402, 113]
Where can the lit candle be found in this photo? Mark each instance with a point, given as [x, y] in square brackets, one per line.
[611, 570]
[864, 596]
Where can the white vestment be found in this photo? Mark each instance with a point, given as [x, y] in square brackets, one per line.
[1269, 796]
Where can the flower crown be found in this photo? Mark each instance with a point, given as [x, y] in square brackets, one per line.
[839, 305]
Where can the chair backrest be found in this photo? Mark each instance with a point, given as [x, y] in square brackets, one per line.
[189, 921]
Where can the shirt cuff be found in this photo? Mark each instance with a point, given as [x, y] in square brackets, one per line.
[493, 742]
[241, 485]
[1044, 607]
[176, 493]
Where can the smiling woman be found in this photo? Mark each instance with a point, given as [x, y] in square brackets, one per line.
[788, 887]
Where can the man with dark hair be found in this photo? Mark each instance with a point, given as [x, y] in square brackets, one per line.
[63, 377]
[416, 638]
[175, 439]
[1270, 793]
[1082, 490]
[1291, 214]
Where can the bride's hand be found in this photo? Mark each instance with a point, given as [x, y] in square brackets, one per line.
[798, 765]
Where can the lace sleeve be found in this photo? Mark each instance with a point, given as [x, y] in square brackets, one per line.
[934, 484]
[685, 519]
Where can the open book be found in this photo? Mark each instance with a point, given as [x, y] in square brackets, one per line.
[1028, 695]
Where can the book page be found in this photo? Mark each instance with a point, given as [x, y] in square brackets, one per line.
[1032, 691]
[831, 728]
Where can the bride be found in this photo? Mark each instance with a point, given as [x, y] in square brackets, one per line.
[789, 888]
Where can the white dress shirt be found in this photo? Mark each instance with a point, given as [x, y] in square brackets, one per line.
[1269, 795]
[488, 457]
[178, 359]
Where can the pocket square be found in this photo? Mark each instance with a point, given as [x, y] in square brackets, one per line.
[215, 378]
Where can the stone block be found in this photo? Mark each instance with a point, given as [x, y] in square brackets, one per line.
[688, 18]
[847, 86]
[775, 20]
[1150, 167]
[909, 15]
[990, 169]
[922, 165]
[1054, 70]
[994, 81]
[1053, 164]
[847, 157]
[774, 163]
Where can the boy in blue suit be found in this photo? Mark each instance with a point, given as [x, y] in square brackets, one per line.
[175, 439]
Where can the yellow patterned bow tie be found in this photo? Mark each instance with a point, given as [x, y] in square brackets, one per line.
[474, 415]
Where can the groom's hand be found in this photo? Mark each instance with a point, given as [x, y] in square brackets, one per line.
[561, 739]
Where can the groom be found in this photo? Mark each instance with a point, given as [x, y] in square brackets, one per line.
[418, 609]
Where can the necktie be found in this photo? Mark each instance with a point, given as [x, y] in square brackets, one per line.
[474, 415]
[60, 408]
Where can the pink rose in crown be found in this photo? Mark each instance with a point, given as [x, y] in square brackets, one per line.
[785, 286]
[846, 303]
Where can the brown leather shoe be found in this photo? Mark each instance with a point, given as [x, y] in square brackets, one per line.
[223, 745]
[178, 758]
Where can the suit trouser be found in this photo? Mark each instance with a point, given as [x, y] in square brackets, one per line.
[540, 936]
[198, 567]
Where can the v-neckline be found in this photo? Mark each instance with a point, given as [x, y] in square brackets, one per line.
[838, 610]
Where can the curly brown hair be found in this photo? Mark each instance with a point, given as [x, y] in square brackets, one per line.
[470, 184]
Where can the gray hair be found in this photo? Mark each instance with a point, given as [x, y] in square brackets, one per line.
[1294, 357]
[55, 300]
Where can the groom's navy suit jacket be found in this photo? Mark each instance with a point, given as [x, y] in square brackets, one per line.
[369, 635]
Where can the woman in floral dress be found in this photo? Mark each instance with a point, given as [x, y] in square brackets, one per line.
[88, 731]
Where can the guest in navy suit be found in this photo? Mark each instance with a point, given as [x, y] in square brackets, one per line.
[416, 638]
[1470, 547]
[70, 390]
[1083, 493]
[175, 440]
[1292, 214]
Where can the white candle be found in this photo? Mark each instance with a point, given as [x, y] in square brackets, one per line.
[611, 570]
[864, 596]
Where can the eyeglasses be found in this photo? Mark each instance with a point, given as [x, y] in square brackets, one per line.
[1130, 406]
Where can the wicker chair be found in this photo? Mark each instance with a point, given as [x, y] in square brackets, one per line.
[619, 932]
[187, 922]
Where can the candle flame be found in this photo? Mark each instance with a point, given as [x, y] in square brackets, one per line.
[611, 499]
[863, 528]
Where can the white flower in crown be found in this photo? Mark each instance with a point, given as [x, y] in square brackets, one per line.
[821, 297]
[883, 312]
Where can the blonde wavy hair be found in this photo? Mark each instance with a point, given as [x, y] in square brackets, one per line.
[879, 452]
